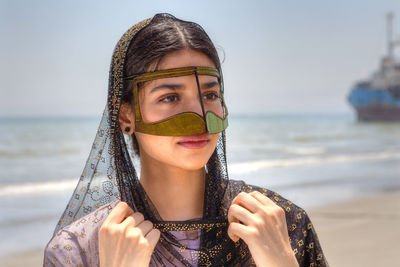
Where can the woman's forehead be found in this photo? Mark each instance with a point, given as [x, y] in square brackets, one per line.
[185, 58]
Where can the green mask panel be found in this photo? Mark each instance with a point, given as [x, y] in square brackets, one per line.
[183, 123]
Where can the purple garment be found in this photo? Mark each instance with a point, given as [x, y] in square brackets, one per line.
[77, 243]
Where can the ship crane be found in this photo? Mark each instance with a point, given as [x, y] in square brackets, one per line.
[391, 44]
[389, 65]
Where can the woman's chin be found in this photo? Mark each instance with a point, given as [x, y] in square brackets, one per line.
[193, 166]
[192, 160]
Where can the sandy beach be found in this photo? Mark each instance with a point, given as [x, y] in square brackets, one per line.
[362, 232]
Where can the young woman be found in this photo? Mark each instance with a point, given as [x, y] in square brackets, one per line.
[165, 120]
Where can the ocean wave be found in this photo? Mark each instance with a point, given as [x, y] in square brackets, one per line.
[325, 138]
[252, 166]
[37, 188]
[303, 150]
[234, 168]
[34, 152]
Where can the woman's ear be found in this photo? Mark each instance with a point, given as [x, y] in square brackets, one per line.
[126, 119]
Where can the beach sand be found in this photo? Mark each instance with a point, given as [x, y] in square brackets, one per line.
[362, 232]
[23, 259]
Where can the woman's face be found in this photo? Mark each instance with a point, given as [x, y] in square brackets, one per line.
[165, 97]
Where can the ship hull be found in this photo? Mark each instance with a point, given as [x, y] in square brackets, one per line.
[378, 113]
[374, 104]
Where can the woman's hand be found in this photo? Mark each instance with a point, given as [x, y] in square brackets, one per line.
[126, 239]
[261, 223]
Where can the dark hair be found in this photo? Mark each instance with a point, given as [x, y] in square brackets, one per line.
[163, 35]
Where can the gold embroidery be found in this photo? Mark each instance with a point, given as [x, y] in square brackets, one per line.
[304, 233]
[182, 248]
[187, 227]
[228, 257]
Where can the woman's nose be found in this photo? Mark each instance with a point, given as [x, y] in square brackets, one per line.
[194, 104]
[194, 99]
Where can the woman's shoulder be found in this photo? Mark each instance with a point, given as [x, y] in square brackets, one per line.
[294, 213]
[302, 235]
[296, 217]
[237, 186]
[77, 243]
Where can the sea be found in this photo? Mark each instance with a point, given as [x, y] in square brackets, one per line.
[311, 159]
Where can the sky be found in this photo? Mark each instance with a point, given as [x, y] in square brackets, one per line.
[286, 57]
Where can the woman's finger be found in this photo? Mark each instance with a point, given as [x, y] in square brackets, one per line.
[153, 236]
[246, 201]
[118, 213]
[238, 213]
[232, 236]
[129, 221]
[264, 200]
[133, 220]
[271, 206]
[238, 230]
[145, 227]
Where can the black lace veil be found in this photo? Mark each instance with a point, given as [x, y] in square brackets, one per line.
[112, 169]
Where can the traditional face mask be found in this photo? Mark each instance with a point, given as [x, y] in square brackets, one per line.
[176, 120]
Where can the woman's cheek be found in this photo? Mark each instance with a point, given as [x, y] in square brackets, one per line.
[166, 150]
[157, 146]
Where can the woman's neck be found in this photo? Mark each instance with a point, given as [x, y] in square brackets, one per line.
[177, 194]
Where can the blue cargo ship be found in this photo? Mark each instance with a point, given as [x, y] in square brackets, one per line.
[378, 98]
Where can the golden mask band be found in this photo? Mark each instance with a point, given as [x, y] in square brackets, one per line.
[185, 123]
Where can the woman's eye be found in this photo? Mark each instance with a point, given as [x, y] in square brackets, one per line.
[211, 96]
[169, 99]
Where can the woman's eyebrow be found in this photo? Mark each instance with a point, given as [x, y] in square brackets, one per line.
[171, 86]
[208, 85]
[167, 86]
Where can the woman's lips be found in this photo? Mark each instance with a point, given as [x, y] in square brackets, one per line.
[194, 141]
